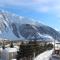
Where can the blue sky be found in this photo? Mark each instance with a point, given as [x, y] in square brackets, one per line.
[45, 11]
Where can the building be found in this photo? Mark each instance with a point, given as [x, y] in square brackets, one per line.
[9, 53]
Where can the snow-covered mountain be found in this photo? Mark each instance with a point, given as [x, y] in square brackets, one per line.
[17, 27]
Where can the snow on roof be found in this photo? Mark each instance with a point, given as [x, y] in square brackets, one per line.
[13, 59]
[16, 47]
[1, 49]
[57, 48]
[11, 49]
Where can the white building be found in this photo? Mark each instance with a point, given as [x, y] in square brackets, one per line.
[1, 51]
[9, 53]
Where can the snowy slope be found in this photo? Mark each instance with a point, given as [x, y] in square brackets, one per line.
[17, 27]
[44, 56]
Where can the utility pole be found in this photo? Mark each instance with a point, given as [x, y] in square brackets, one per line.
[34, 53]
[54, 44]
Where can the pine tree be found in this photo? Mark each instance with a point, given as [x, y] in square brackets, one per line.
[25, 51]
[11, 45]
[3, 45]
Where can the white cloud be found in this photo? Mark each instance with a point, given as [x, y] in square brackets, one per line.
[44, 6]
[43, 9]
[56, 29]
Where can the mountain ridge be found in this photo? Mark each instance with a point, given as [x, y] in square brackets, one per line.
[17, 27]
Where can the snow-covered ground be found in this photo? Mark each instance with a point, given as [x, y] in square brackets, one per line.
[44, 56]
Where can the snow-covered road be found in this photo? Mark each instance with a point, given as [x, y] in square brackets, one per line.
[44, 56]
